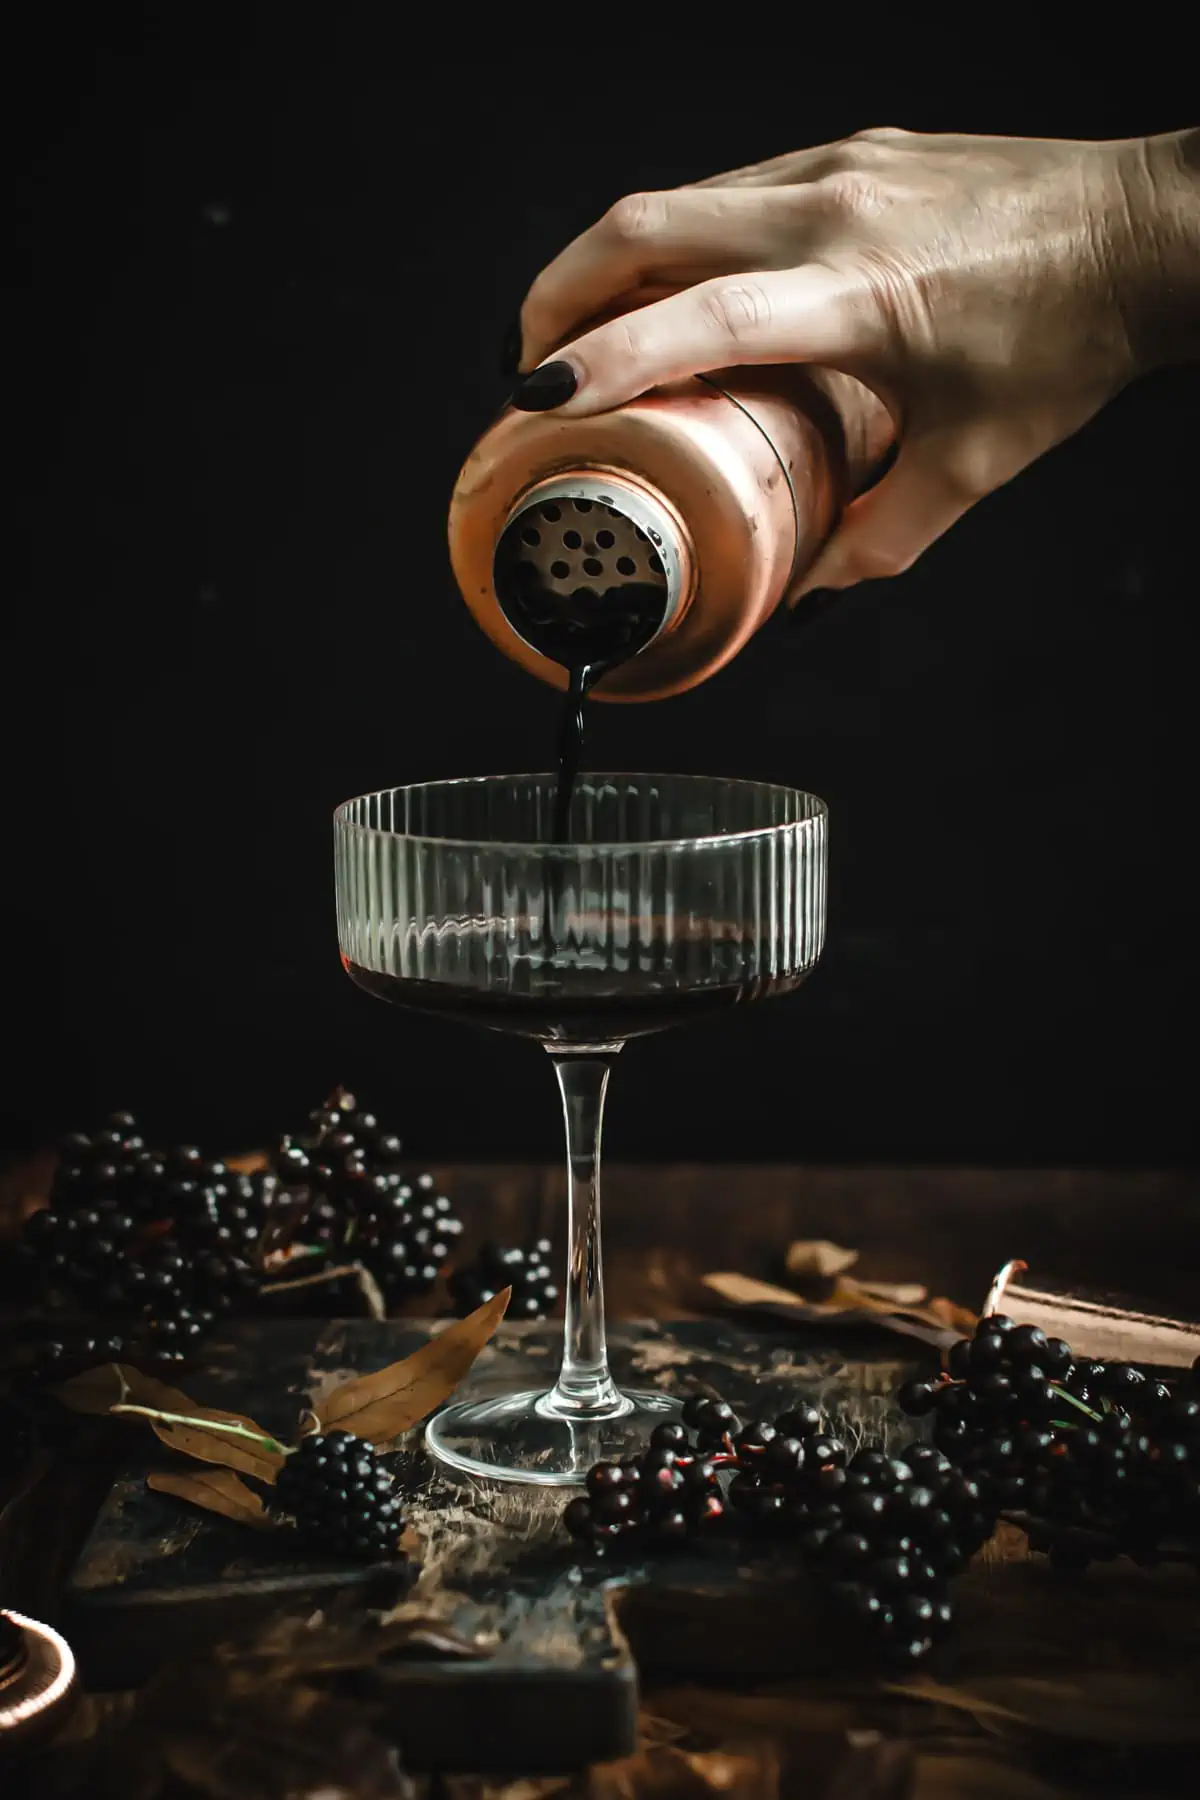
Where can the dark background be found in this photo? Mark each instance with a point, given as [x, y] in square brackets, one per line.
[270, 280]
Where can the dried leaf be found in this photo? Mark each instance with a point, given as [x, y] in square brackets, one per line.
[99, 1390]
[768, 1301]
[891, 1293]
[1098, 1706]
[380, 1406]
[216, 1490]
[810, 1259]
[743, 1290]
[217, 1447]
[956, 1318]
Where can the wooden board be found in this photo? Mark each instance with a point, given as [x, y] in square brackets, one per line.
[556, 1687]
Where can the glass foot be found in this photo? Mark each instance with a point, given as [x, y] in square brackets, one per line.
[514, 1437]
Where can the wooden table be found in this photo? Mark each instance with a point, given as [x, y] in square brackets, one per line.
[664, 1228]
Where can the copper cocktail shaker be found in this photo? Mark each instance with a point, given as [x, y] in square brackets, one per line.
[705, 502]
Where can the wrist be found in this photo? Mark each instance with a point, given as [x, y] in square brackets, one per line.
[1157, 278]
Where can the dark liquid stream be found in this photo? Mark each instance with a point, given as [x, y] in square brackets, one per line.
[570, 746]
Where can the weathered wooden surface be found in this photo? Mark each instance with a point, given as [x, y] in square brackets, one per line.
[667, 1227]
[553, 1679]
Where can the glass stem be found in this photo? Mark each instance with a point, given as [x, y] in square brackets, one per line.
[585, 1389]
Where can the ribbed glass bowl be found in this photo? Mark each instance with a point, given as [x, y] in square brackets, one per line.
[676, 896]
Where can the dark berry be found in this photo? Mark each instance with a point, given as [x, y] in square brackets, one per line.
[866, 1510]
[1025, 1344]
[986, 1353]
[994, 1387]
[784, 1457]
[892, 1573]
[904, 1651]
[754, 1436]
[618, 1507]
[669, 1436]
[918, 1397]
[1124, 1383]
[848, 1549]
[604, 1478]
[799, 1422]
[671, 1527]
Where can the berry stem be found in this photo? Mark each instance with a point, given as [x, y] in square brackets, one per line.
[1062, 1394]
[228, 1426]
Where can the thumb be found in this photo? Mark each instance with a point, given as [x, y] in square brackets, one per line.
[779, 316]
[885, 530]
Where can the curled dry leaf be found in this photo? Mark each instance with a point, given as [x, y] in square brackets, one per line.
[1100, 1706]
[892, 1293]
[816, 1259]
[379, 1407]
[99, 1390]
[762, 1298]
[216, 1490]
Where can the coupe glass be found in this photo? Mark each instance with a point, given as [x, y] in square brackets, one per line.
[676, 896]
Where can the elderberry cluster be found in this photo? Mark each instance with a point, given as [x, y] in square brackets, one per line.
[1075, 1446]
[882, 1534]
[155, 1244]
[361, 1202]
[341, 1497]
[527, 1271]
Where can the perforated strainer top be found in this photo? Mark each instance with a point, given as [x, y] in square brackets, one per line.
[588, 570]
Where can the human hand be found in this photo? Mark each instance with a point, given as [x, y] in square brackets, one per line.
[991, 291]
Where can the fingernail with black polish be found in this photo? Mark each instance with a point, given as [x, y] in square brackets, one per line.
[548, 386]
[510, 354]
[809, 605]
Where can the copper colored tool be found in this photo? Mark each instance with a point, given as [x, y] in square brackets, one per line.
[708, 500]
[1102, 1327]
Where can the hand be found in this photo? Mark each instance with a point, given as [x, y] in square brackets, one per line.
[989, 290]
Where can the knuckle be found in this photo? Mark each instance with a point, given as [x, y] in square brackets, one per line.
[736, 309]
[881, 134]
[969, 472]
[637, 216]
[850, 189]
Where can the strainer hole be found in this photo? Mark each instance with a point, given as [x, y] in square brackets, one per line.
[626, 565]
[582, 505]
[572, 540]
[592, 566]
[560, 570]
[640, 533]
[552, 513]
[655, 563]
[605, 539]
[583, 594]
[530, 536]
